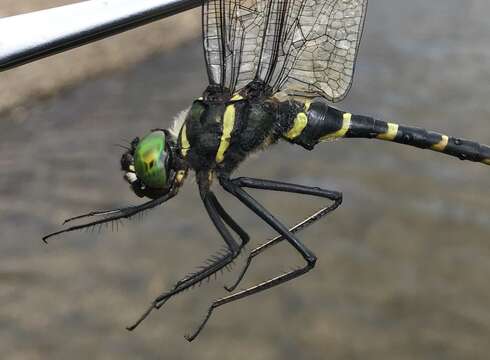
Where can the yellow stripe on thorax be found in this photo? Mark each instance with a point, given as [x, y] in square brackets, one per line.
[441, 145]
[184, 142]
[390, 134]
[346, 120]
[228, 123]
[300, 122]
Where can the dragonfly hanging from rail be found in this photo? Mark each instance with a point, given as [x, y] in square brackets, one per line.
[273, 67]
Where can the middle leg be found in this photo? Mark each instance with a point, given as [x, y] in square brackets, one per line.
[219, 218]
[232, 224]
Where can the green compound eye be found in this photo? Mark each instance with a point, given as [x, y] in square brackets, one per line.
[150, 159]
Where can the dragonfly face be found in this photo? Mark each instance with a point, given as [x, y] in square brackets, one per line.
[148, 164]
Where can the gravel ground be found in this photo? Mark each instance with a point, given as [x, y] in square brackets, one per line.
[403, 264]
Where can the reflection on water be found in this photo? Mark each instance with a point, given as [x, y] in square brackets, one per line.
[401, 271]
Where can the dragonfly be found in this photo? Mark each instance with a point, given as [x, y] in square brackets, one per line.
[275, 67]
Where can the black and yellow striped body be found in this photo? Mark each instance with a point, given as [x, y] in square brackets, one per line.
[317, 121]
[218, 135]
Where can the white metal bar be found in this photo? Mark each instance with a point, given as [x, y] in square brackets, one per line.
[28, 37]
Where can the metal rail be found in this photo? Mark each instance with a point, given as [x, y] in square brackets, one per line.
[32, 36]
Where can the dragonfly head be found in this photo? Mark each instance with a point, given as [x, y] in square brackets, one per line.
[148, 165]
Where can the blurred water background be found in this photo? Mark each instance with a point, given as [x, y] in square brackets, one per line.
[403, 264]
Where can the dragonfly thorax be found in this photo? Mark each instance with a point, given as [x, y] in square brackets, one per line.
[218, 136]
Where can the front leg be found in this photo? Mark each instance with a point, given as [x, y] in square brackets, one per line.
[219, 217]
[114, 215]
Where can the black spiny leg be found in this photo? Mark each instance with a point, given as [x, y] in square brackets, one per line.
[217, 215]
[335, 196]
[113, 215]
[233, 186]
[231, 223]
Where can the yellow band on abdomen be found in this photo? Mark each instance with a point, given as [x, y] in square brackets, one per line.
[441, 145]
[228, 124]
[390, 134]
[346, 119]
[300, 122]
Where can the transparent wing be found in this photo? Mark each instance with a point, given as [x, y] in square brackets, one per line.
[321, 52]
[232, 40]
[302, 47]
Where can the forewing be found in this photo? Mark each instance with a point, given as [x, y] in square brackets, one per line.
[305, 47]
[230, 38]
[243, 39]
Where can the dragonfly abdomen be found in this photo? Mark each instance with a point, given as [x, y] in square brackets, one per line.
[318, 122]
